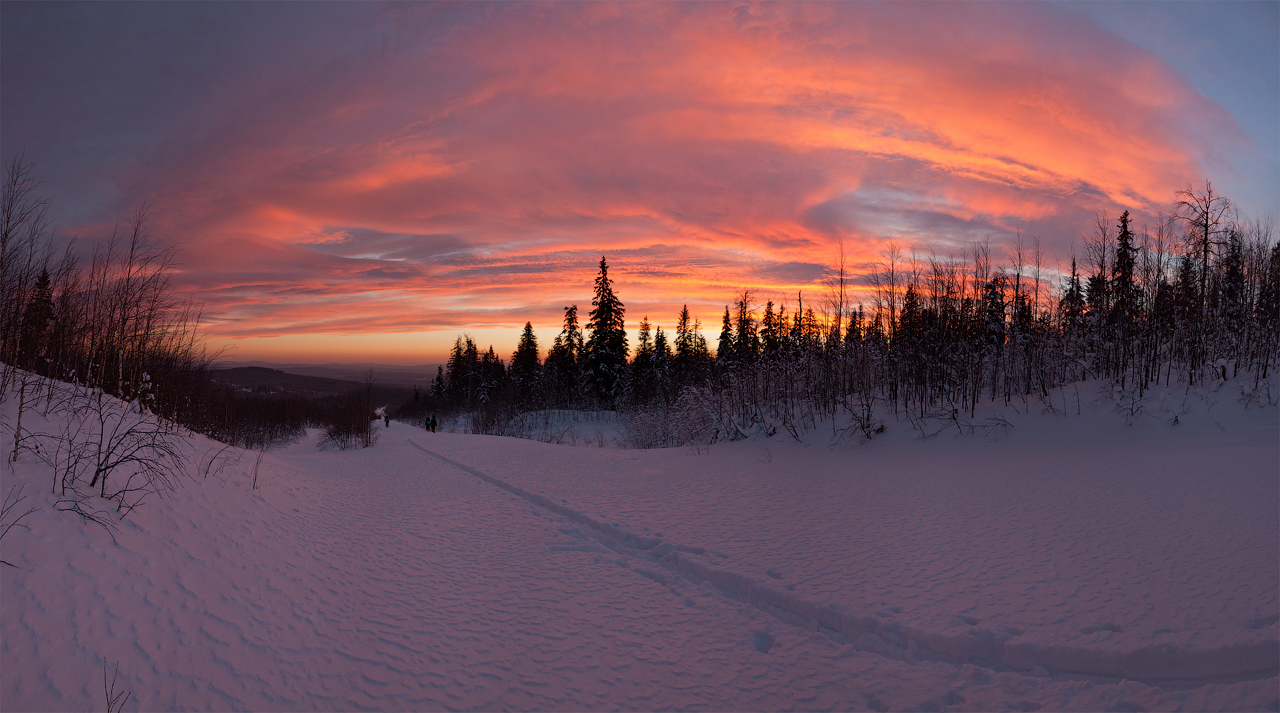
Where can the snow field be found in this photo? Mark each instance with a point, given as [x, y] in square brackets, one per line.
[491, 573]
[1151, 554]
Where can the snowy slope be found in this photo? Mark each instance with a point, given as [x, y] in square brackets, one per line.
[443, 571]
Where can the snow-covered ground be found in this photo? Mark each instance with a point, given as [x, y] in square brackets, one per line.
[1066, 562]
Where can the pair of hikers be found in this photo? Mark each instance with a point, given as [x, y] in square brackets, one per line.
[430, 425]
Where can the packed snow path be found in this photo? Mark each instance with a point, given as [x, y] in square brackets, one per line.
[502, 574]
[1127, 573]
[1148, 556]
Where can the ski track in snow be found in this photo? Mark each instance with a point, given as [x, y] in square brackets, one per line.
[503, 574]
[887, 629]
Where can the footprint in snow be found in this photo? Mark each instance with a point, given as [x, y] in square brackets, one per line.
[1262, 622]
[763, 641]
[1108, 626]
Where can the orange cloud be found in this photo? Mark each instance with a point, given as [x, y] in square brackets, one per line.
[471, 176]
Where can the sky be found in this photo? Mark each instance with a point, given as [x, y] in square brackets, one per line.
[366, 181]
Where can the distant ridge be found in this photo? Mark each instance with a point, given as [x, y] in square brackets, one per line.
[267, 380]
[384, 374]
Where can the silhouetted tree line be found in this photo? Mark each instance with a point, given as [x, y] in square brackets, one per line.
[113, 324]
[1195, 297]
[579, 372]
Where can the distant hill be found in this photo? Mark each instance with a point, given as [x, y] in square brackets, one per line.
[260, 379]
[419, 375]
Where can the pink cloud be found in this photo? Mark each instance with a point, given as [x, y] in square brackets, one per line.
[474, 177]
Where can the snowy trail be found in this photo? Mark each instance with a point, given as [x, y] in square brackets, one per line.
[891, 636]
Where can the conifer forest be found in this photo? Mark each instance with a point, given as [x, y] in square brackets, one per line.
[1190, 298]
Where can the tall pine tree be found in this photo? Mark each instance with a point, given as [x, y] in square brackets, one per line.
[562, 370]
[692, 359]
[1071, 307]
[746, 341]
[525, 368]
[724, 348]
[605, 353]
[1124, 290]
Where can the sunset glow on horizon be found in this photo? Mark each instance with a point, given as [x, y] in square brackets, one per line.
[364, 182]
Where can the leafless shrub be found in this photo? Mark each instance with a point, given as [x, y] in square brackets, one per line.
[990, 426]
[115, 701]
[1129, 403]
[79, 504]
[930, 424]
[1182, 409]
[214, 461]
[9, 517]
[107, 450]
[350, 425]
[126, 453]
[257, 464]
[943, 420]
[861, 408]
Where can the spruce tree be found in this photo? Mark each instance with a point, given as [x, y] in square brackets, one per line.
[35, 323]
[910, 322]
[464, 376]
[1124, 290]
[1231, 307]
[1269, 293]
[1072, 304]
[525, 367]
[455, 387]
[810, 329]
[605, 358]
[1097, 295]
[644, 341]
[493, 378]
[746, 342]
[563, 365]
[641, 377]
[770, 332]
[437, 385]
[724, 348]
[661, 385]
[692, 358]
[853, 333]
[661, 348]
[684, 334]
[993, 311]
